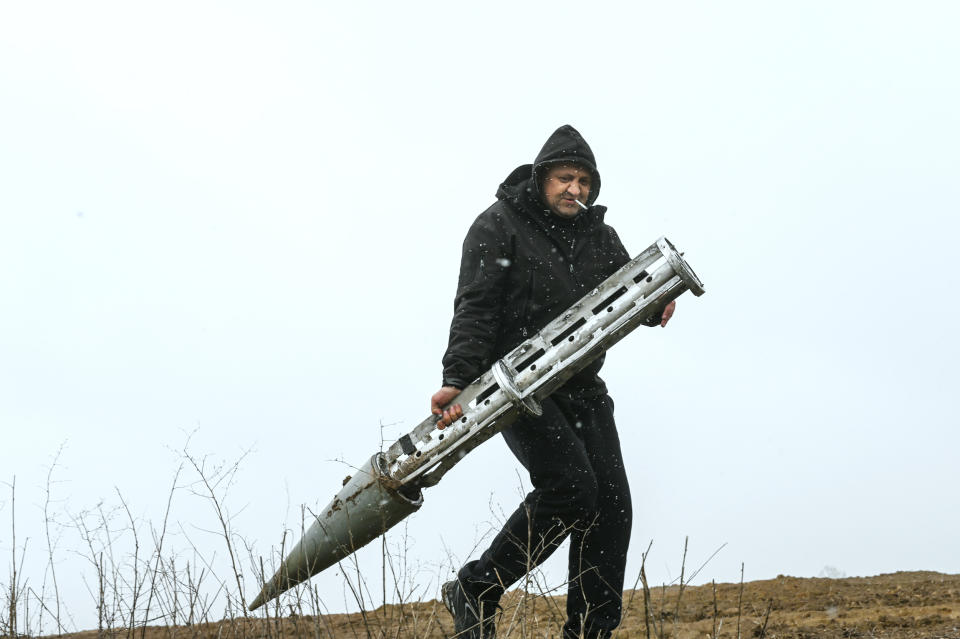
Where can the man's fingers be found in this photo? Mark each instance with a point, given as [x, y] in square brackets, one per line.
[667, 313]
[441, 397]
[449, 416]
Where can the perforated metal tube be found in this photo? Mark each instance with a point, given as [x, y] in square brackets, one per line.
[387, 488]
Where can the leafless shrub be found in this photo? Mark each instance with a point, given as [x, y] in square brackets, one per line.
[17, 587]
[140, 583]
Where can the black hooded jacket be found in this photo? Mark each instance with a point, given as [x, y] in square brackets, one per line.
[523, 265]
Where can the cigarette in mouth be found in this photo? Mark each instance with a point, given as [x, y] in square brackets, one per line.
[582, 205]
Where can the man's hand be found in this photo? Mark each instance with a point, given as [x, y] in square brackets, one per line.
[440, 399]
[668, 312]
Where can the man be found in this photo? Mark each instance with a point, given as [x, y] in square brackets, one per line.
[528, 257]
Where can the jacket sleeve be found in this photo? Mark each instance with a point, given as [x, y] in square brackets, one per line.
[477, 309]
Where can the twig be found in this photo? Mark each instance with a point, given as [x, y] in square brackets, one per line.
[766, 618]
[136, 564]
[713, 584]
[50, 545]
[12, 619]
[633, 591]
[683, 566]
[159, 545]
[221, 514]
[646, 590]
[740, 602]
[696, 572]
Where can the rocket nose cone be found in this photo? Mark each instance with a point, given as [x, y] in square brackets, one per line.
[365, 508]
[264, 596]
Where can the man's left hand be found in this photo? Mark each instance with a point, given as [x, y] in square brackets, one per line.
[668, 312]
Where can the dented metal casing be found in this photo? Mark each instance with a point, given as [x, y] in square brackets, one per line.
[388, 487]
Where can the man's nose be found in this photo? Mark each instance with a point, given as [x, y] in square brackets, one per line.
[574, 189]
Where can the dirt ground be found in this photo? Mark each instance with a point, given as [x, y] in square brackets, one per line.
[903, 604]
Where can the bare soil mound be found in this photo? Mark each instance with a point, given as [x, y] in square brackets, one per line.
[903, 605]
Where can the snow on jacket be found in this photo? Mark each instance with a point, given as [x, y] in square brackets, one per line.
[523, 265]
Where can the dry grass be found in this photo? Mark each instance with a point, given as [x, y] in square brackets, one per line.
[142, 590]
[902, 605]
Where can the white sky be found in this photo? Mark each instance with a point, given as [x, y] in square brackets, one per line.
[244, 220]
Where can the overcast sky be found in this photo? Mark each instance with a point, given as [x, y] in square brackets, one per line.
[242, 221]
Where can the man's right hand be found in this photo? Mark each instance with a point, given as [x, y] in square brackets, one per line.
[440, 399]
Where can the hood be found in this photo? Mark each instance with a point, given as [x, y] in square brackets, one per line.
[566, 146]
[522, 186]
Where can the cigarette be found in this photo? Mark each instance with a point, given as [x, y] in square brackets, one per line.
[582, 205]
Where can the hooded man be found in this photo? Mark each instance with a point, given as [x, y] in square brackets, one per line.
[538, 249]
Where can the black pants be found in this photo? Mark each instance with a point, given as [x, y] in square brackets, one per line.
[579, 490]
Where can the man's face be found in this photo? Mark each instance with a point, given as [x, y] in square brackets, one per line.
[564, 185]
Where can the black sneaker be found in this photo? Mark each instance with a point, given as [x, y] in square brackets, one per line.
[472, 618]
